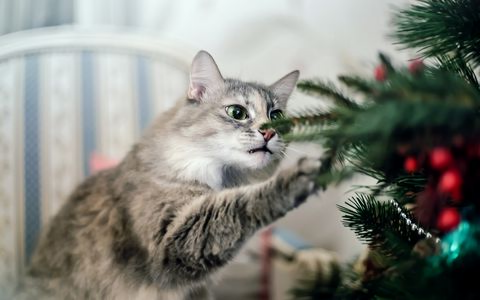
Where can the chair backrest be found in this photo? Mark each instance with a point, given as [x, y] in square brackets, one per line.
[64, 95]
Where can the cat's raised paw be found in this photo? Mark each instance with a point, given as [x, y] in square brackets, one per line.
[309, 166]
[299, 181]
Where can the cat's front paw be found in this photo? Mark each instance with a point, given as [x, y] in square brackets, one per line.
[299, 182]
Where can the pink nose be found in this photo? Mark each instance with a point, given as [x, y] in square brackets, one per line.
[268, 134]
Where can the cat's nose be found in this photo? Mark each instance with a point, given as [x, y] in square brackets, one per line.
[268, 134]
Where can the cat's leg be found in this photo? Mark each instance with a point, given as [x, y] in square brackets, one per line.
[208, 232]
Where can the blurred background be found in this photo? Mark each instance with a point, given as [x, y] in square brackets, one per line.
[80, 80]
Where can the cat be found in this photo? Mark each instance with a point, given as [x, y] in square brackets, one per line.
[181, 203]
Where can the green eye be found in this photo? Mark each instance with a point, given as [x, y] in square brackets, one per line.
[276, 115]
[237, 112]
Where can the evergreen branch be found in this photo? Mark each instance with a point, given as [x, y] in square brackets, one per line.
[386, 63]
[379, 225]
[320, 88]
[459, 66]
[404, 116]
[357, 84]
[440, 27]
[406, 188]
[310, 118]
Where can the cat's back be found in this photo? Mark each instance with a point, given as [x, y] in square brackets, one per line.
[83, 217]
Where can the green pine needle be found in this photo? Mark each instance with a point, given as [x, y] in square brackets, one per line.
[358, 84]
[379, 225]
[408, 113]
[441, 27]
[320, 88]
[459, 66]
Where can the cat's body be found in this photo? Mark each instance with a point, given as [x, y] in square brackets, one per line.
[181, 203]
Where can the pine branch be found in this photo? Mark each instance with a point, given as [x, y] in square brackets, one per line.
[386, 63]
[357, 84]
[459, 66]
[402, 117]
[320, 88]
[440, 27]
[301, 120]
[379, 225]
[405, 188]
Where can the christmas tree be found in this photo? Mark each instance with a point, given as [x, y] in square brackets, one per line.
[416, 130]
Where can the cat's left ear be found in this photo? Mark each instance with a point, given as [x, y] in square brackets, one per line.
[204, 76]
[284, 87]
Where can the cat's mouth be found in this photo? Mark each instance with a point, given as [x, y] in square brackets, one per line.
[264, 148]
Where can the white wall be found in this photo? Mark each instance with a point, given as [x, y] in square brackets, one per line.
[260, 40]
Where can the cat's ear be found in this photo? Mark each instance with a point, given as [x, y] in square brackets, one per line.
[204, 76]
[284, 87]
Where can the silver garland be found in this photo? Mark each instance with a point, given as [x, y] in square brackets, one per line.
[412, 224]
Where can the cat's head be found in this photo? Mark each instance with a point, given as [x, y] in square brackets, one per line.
[223, 118]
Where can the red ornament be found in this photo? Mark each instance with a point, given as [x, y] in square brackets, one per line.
[448, 219]
[450, 182]
[380, 73]
[440, 158]
[411, 164]
[416, 66]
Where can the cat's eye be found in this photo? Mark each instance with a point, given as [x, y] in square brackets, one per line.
[237, 112]
[276, 115]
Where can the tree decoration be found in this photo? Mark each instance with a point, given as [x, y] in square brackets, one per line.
[451, 182]
[380, 73]
[440, 158]
[416, 66]
[461, 242]
[411, 164]
[448, 219]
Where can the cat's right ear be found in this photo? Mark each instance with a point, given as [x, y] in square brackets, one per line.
[204, 76]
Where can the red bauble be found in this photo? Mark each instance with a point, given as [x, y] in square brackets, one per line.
[450, 182]
[448, 219]
[411, 164]
[380, 73]
[440, 158]
[416, 66]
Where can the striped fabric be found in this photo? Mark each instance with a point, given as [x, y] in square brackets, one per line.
[57, 107]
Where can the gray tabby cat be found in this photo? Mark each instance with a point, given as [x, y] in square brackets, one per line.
[181, 203]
